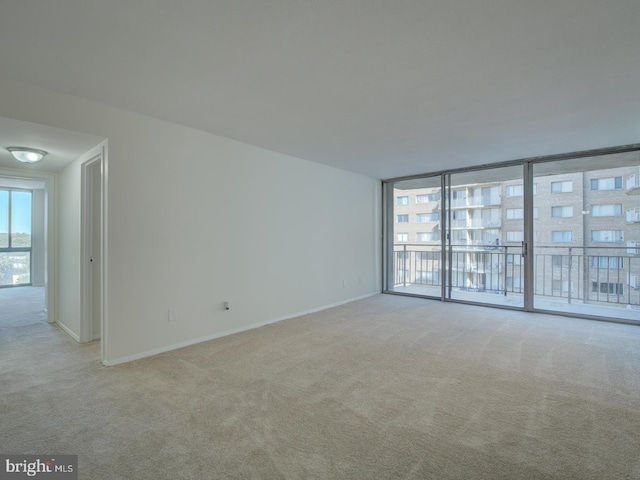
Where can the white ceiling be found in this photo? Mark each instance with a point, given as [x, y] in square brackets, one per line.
[381, 87]
[62, 146]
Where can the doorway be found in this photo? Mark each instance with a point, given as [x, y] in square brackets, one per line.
[25, 233]
[92, 263]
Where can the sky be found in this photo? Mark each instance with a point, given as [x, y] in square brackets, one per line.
[21, 211]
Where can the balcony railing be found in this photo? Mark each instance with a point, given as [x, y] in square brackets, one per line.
[484, 200]
[585, 275]
[477, 201]
[476, 223]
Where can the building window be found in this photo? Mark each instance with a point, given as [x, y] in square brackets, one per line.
[608, 288]
[563, 236]
[514, 259]
[427, 198]
[459, 215]
[607, 236]
[616, 263]
[515, 213]
[459, 238]
[402, 237]
[515, 190]
[514, 282]
[402, 200]
[427, 236]
[614, 210]
[427, 217]
[403, 218]
[560, 260]
[611, 183]
[562, 187]
[560, 285]
[516, 236]
[562, 212]
[15, 237]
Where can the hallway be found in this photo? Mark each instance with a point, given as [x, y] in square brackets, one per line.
[22, 306]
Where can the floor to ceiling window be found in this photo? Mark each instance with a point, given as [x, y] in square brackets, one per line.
[15, 237]
[553, 235]
[415, 266]
[587, 247]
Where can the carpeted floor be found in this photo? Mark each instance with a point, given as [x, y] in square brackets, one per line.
[383, 388]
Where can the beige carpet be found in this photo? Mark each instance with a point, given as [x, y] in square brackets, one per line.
[383, 388]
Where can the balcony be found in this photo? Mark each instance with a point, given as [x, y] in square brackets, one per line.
[579, 279]
[633, 215]
[475, 223]
[482, 267]
[459, 202]
[484, 200]
[477, 201]
[457, 223]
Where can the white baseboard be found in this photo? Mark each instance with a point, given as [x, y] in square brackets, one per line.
[187, 343]
[68, 331]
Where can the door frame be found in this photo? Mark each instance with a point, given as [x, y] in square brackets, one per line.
[99, 156]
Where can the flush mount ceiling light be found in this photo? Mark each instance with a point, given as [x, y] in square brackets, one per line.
[27, 155]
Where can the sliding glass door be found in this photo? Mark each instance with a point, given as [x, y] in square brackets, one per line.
[485, 235]
[552, 235]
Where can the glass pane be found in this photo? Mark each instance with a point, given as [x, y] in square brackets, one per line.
[20, 219]
[416, 237]
[587, 242]
[4, 218]
[15, 268]
[486, 230]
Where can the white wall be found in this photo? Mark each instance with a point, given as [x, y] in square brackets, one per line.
[195, 220]
[67, 255]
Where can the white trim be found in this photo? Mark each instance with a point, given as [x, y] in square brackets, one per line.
[86, 280]
[68, 331]
[105, 250]
[96, 154]
[233, 331]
